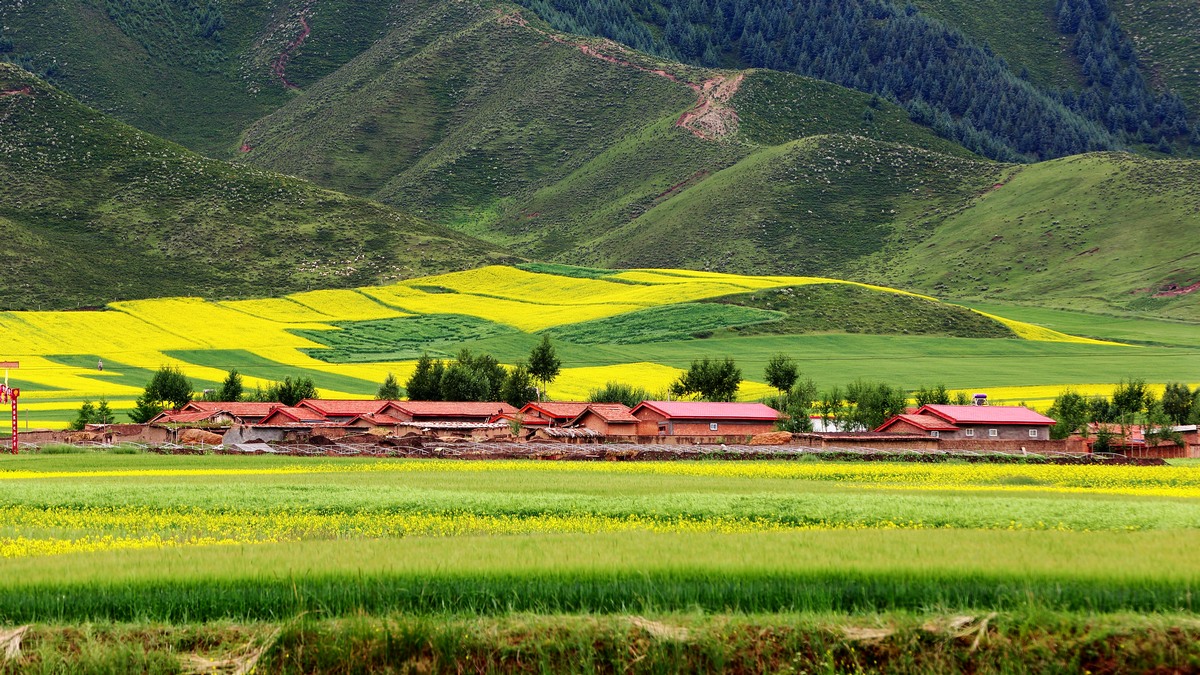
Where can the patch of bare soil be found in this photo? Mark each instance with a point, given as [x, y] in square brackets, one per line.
[279, 66]
[1175, 290]
[712, 117]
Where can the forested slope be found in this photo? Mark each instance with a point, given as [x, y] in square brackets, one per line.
[1096, 97]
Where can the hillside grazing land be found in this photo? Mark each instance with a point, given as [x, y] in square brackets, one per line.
[95, 211]
[196, 73]
[1104, 232]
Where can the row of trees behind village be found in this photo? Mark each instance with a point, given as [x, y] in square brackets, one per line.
[859, 405]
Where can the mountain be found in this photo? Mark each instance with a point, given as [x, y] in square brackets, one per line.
[468, 111]
[482, 117]
[457, 114]
[93, 210]
[946, 79]
[196, 72]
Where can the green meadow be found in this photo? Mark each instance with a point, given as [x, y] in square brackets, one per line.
[156, 558]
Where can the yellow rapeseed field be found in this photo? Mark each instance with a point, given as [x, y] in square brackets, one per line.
[281, 310]
[146, 334]
[344, 305]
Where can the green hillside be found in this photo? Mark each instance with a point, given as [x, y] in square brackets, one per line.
[1167, 33]
[194, 72]
[1021, 31]
[483, 120]
[93, 211]
[563, 149]
[812, 206]
[1098, 232]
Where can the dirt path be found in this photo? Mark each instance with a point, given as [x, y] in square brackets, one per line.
[279, 66]
[23, 91]
[710, 118]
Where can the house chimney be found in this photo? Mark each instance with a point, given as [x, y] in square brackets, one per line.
[980, 399]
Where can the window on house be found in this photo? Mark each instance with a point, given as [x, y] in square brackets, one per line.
[712, 426]
[934, 433]
[970, 432]
[993, 432]
[1033, 433]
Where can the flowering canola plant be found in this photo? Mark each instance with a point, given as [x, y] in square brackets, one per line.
[32, 529]
[147, 334]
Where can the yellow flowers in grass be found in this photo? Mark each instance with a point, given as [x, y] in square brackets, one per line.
[32, 531]
[209, 325]
[345, 305]
[525, 316]
[650, 289]
[281, 310]
[1029, 331]
[574, 384]
[1168, 481]
[1042, 396]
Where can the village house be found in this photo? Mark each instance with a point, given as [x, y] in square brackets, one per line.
[241, 412]
[292, 416]
[702, 418]
[341, 410]
[612, 420]
[445, 411]
[556, 413]
[973, 422]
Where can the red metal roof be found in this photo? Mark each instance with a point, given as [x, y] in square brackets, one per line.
[454, 408]
[559, 410]
[609, 412]
[293, 415]
[704, 410]
[343, 407]
[525, 420]
[377, 419]
[987, 414]
[183, 416]
[236, 408]
[926, 422]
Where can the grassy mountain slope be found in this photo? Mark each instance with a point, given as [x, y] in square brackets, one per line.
[478, 117]
[457, 108]
[482, 119]
[813, 206]
[193, 72]
[1167, 34]
[93, 210]
[1108, 231]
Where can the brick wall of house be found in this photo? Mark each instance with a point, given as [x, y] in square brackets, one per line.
[701, 428]
[1004, 432]
[1011, 446]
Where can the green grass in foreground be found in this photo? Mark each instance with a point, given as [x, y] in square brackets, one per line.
[675, 642]
[970, 537]
[629, 572]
